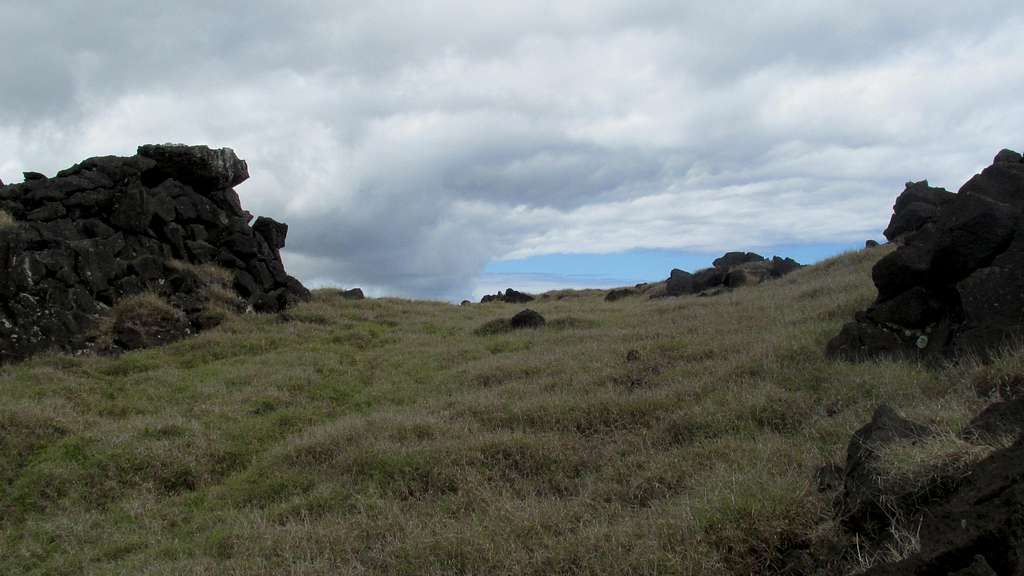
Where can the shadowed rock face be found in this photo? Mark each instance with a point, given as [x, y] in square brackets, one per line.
[955, 285]
[106, 227]
[969, 524]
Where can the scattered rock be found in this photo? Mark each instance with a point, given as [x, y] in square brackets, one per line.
[353, 294]
[527, 319]
[109, 227]
[633, 355]
[955, 285]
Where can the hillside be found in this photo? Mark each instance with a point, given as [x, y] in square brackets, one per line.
[388, 437]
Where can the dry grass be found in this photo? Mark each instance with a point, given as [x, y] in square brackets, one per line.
[6, 220]
[386, 437]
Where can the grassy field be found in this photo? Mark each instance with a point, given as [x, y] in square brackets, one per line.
[389, 437]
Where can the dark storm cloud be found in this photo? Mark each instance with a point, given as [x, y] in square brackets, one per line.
[409, 143]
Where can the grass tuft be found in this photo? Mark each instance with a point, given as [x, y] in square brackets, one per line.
[6, 220]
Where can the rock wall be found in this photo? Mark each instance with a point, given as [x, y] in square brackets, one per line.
[955, 284]
[106, 228]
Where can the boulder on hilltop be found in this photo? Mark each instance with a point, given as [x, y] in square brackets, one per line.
[509, 295]
[731, 270]
[955, 284]
[111, 227]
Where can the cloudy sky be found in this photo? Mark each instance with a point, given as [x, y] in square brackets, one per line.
[449, 148]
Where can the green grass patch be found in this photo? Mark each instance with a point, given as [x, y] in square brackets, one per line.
[670, 436]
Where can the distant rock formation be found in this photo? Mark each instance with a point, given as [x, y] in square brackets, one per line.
[510, 296]
[111, 227]
[955, 285]
[732, 270]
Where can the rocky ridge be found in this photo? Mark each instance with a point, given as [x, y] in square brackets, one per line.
[111, 227]
[953, 286]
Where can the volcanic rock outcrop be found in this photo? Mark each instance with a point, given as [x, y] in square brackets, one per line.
[955, 284]
[510, 296]
[732, 270]
[109, 227]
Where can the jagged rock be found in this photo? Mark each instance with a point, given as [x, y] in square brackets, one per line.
[527, 319]
[107, 227]
[679, 282]
[731, 259]
[511, 296]
[33, 176]
[871, 244]
[865, 501]
[195, 166]
[782, 266]
[954, 286]
[917, 206]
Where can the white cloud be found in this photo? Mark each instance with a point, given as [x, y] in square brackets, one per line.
[408, 144]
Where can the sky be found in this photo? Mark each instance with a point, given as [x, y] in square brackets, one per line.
[448, 149]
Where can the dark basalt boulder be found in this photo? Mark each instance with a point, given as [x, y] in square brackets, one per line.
[731, 259]
[108, 227]
[955, 285]
[527, 319]
[917, 206]
[679, 282]
[511, 296]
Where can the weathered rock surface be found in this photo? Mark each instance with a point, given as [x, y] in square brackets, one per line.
[106, 227]
[955, 285]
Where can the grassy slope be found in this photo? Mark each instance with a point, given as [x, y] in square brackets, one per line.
[385, 437]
